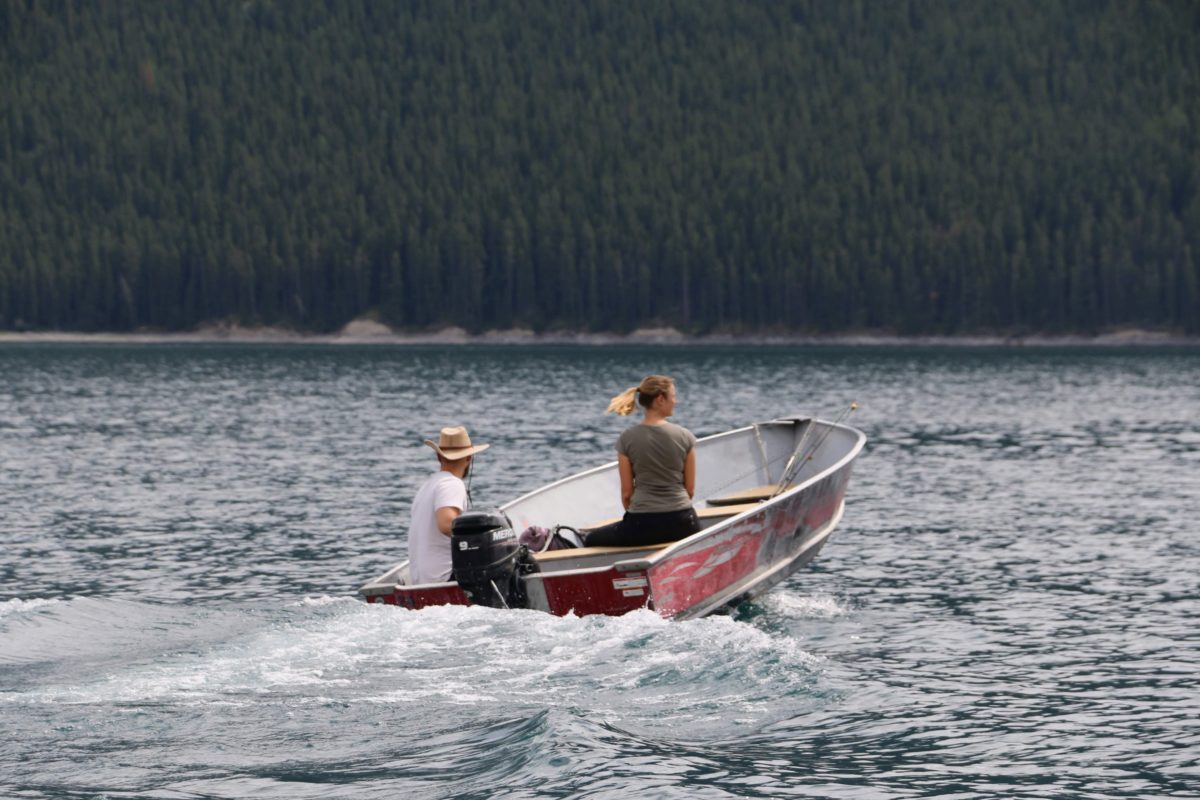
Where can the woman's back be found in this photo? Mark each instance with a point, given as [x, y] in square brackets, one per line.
[657, 454]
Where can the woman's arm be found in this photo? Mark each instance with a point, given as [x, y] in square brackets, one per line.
[625, 468]
[689, 473]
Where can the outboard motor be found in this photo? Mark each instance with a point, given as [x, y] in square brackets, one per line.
[488, 560]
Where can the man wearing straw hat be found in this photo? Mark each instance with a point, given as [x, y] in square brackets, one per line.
[438, 502]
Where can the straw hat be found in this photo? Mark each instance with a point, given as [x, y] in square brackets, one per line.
[454, 444]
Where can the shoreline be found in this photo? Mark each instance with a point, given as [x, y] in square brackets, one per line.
[362, 332]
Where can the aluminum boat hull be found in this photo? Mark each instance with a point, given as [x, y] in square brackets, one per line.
[744, 550]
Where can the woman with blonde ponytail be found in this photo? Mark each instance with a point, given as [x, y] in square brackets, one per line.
[657, 464]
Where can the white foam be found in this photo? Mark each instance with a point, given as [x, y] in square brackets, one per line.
[19, 606]
[323, 649]
[800, 606]
[326, 601]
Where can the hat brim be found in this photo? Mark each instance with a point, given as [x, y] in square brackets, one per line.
[457, 453]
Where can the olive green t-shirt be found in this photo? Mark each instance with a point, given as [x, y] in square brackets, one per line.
[657, 453]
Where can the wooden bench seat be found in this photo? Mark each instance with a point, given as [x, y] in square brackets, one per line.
[578, 552]
[702, 513]
[752, 495]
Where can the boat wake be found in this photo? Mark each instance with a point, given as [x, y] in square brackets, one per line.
[235, 698]
[330, 650]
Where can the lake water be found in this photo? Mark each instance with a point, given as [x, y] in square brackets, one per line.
[1009, 608]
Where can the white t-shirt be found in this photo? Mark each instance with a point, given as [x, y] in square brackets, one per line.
[428, 548]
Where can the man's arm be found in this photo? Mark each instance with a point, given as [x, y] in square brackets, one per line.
[445, 518]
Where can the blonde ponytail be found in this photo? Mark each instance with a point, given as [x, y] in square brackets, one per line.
[623, 404]
[645, 392]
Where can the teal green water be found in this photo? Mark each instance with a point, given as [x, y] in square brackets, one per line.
[1007, 610]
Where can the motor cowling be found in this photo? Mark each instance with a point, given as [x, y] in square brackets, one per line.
[488, 560]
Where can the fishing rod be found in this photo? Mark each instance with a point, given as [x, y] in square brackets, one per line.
[784, 479]
[793, 468]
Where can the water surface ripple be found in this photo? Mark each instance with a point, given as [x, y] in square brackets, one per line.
[1008, 609]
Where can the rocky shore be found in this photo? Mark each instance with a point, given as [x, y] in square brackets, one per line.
[370, 332]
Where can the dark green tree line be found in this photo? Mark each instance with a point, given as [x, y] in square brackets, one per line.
[923, 167]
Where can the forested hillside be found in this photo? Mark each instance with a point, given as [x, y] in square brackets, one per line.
[921, 166]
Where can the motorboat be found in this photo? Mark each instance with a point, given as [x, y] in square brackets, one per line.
[768, 496]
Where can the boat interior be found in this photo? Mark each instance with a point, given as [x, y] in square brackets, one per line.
[735, 473]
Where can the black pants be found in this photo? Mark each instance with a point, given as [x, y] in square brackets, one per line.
[646, 528]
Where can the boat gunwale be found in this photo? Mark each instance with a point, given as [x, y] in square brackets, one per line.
[822, 533]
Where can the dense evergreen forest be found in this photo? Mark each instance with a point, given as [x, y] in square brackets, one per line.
[917, 166]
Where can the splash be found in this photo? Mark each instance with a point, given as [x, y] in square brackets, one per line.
[17, 606]
[799, 606]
